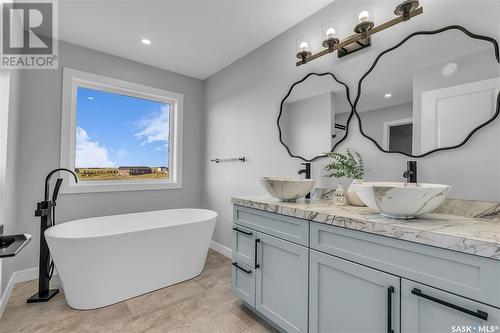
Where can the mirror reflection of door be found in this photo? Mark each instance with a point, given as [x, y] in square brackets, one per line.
[473, 103]
[398, 135]
[445, 85]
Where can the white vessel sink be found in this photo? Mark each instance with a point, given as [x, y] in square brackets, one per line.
[399, 201]
[287, 188]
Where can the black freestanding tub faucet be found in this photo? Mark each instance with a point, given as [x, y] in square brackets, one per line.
[45, 210]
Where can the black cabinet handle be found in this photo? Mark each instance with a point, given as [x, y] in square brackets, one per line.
[478, 314]
[257, 240]
[390, 291]
[235, 264]
[243, 232]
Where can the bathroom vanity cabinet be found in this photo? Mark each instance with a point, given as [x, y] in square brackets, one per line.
[307, 276]
[270, 273]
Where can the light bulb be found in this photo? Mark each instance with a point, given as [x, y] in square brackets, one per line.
[303, 47]
[146, 41]
[330, 33]
[364, 16]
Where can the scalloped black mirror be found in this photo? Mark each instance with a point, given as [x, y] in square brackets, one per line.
[430, 92]
[314, 116]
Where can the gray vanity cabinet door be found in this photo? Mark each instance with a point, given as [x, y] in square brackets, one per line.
[428, 310]
[244, 245]
[347, 297]
[282, 282]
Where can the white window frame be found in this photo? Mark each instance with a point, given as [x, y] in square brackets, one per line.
[72, 79]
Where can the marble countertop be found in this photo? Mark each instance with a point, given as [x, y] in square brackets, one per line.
[475, 236]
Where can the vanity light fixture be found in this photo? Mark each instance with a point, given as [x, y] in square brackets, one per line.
[364, 22]
[146, 41]
[330, 38]
[303, 42]
[304, 50]
[364, 29]
[388, 95]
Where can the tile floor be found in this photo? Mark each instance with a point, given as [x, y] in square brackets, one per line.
[203, 304]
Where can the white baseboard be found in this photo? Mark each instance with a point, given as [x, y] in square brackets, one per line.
[225, 251]
[16, 277]
[25, 275]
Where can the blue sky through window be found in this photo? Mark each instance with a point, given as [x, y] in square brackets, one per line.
[115, 130]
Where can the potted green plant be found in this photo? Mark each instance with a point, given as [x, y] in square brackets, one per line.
[350, 165]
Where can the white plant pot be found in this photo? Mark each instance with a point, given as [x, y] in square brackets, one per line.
[351, 194]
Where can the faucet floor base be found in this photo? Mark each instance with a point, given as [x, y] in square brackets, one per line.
[37, 298]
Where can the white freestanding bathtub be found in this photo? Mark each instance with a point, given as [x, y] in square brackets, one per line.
[105, 260]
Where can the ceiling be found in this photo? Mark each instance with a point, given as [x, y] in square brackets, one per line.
[194, 38]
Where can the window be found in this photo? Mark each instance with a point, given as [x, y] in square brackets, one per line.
[118, 135]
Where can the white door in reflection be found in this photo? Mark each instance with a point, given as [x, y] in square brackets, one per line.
[449, 114]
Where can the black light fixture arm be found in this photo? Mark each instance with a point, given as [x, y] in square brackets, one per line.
[363, 32]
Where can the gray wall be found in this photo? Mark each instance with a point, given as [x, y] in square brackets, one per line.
[10, 214]
[242, 103]
[39, 134]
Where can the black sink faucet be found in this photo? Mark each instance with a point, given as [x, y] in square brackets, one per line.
[411, 172]
[307, 171]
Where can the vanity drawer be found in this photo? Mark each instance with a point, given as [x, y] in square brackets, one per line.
[463, 274]
[244, 245]
[429, 310]
[243, 282]
[285, 227]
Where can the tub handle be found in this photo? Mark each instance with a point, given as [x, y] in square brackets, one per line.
[243, 232]
[257, 241]
[235, 264]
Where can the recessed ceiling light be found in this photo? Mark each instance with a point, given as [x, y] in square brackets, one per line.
[449, 69]
[91, 98]
[388, 95]
[146, 41]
